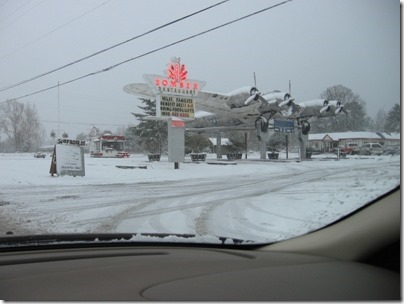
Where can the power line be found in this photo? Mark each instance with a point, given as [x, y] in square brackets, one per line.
[109, 48]
[56, 29]
[15, 11]
[3, 3]
[81, 123]
[21, 15]
[155, 50]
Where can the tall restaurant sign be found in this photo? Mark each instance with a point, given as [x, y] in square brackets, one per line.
[175, 93]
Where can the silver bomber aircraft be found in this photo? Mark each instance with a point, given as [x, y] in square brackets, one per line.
[247, 108]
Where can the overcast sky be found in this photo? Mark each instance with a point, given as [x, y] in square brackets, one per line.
[315, 44]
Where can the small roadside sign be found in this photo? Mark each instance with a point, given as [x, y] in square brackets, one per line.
[68, 158]
[284, 126]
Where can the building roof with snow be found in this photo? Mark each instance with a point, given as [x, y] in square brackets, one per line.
[337, 136]
[223, 141]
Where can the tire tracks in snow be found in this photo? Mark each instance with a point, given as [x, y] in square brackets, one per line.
[152, 200]
[274, 186]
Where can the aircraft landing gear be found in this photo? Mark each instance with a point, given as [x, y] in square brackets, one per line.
[303, 136]
[261, 128]
[305, 127]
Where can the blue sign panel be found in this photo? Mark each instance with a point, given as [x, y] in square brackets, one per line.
[285, 126]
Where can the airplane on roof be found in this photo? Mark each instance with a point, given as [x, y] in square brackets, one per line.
[247, 108]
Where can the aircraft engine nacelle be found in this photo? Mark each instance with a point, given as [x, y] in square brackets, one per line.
[339, 108]
[326, 107]
[247, 90]
[243, 97]
[276, 96]
[254, 95]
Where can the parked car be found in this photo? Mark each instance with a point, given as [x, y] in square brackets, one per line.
[371, 149]
[391, 150]
[39, 155]
[350, 148]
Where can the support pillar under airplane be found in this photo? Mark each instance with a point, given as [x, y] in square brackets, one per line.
[263, 138]
[303, 141]
[219, 145]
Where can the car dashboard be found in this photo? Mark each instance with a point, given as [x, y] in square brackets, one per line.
[293, 270]
[188, 274]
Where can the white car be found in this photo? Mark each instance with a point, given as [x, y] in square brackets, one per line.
[371, 149]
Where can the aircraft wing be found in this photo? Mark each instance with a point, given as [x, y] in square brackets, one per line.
[314, 108]
[137, 89]
[221, 128]
[237, 110]
[212, 102]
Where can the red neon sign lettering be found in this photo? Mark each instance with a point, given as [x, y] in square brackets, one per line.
[167, 83]
[177, 78]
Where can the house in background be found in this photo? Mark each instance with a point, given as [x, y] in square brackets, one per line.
[213, 143]
[327, 142]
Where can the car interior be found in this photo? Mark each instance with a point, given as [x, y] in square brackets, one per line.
[357, 258]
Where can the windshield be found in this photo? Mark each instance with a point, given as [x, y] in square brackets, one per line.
[140, 117]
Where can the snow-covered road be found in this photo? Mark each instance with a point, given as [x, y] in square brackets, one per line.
[260, 201]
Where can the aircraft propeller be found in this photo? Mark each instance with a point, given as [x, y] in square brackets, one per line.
[326, 107]
[254, 95]
[286, 102]
[340, 108]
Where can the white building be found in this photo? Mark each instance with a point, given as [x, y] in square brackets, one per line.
[329, 141]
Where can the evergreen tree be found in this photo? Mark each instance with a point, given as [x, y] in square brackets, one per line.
[150, 134]
[196, 142]
[237, 142]
[393, 120]
[276, 142]
[130, 143]
[357, 120]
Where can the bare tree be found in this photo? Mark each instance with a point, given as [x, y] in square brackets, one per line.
[20, 123]
[380, 120]
[82, 136]
[32, 129]
[357, 120]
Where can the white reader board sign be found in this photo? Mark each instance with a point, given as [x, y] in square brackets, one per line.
[70, 160]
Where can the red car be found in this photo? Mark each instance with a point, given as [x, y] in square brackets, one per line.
[350, 148]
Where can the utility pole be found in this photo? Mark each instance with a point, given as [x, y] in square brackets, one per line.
[287, 135]
[255, 81]
[58, 113]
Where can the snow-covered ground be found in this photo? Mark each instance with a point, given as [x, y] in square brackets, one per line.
[248, 199]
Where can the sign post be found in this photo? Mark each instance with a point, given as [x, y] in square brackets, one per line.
[284, 126]
[68, 158]
[176, 143]
[175, 102]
